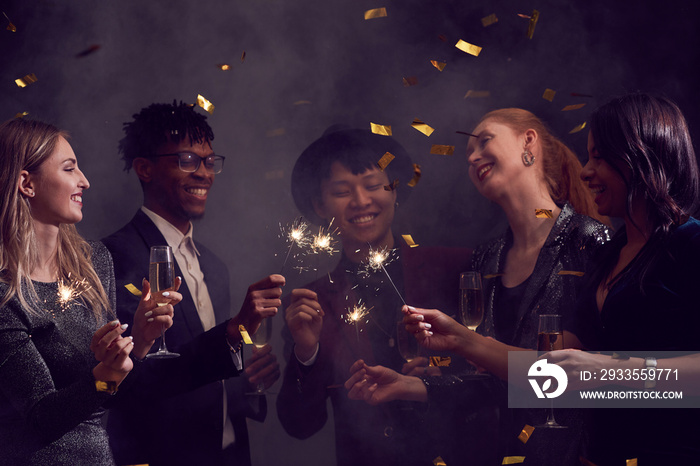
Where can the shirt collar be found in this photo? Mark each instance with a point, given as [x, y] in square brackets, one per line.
[172, 235]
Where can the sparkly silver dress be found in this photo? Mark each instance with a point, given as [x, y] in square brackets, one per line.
[50, 412]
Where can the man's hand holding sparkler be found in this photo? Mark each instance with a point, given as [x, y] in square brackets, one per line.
[262, 367]
[155, 312]
[305, 320]
[262, 300]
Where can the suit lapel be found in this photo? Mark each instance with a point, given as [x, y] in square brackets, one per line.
[185, 311]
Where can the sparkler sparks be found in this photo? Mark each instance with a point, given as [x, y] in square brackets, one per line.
[324, 241]
[377, 259]
[70, 291]
[357, 314]
[295, 234]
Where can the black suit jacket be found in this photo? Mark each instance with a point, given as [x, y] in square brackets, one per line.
[178, 418]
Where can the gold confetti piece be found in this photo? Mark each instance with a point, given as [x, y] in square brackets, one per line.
[92, 49]
[385, 160]
[21, 114]
[394, 184]
[10, 27]
[526, 433]
[489, 20]
[439, 149]
[410, 81]
[243, 57]
[438, 64]
[549, 94]
[524, 16]
[416, 175]
[576, 94]
[493, 275]
[440, 361]
[585, 462]
[224, 66]
[571, 272]
[632, 462]
[543, 213]
[205, 104]
[422, 127]
[302, 102]
[471, 49]
[533, 22]
[578, 128]
[375, 13]
[383, 130]
[246, 336]
[275, 132]
[274, 175]
[472, 94]
[439, 461]
[467, 134]
[572, 107]
[513, 459]
[27, 80]
[133, 290]
[409, 241]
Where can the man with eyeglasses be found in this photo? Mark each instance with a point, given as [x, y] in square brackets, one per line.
[194, 411]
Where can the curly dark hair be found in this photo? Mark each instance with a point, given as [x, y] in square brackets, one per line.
[157, 124]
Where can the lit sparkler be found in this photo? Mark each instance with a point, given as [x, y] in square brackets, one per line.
[376, 261]
[355, 315]
[295, 235]
[71, 291]
[324, 241]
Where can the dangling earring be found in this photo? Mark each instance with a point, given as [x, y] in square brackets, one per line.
[396, 206]
[528, 158]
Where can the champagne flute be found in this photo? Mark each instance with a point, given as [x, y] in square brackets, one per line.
[471, 299]
[550, 337]
[260, 338]
[408, 345]
[161, 275]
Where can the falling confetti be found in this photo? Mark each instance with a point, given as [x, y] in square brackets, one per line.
[533, 22]
[526, 433]
[471, 49]
[385, 160]
[132, 289]
[440, 361]
[392, 186]
[409, 241]
[575, 273]
[416, 175]
[549, 94]
[244, 333]
[383, 130]
[513, 459]
[410, 81]
[224, 66]
[205, 104]
[578, 128]
[471, 94]
[422, 127]
[10, 27]
[21, 114]
[568, 108]
[543, 213]
[375, 13]
[438, 149]
[438, 64]
[489, 20]
[26, 80]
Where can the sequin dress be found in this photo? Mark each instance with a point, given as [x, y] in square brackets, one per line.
[50, 412]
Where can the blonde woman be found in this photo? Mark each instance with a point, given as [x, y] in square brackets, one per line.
[62, 354]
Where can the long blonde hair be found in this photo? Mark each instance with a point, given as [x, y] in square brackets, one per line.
[25, 145]
[561, 167]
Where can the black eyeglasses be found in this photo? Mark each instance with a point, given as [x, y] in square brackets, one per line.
[190, 162]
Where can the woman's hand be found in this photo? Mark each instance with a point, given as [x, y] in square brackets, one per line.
[574, 361]
[434, 330]
[378, 384]
[112, 350]
[155, 312]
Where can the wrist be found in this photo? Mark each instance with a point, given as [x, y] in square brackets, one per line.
[232, 333]
[304, 352]
[414, 389]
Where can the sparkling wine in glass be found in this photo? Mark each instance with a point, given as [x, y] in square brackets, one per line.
[161, 276]
[408, 345]
[260, 338]
[471, 299]
[550, 337]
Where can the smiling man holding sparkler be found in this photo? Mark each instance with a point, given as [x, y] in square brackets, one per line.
[170, 149]
[353, 312]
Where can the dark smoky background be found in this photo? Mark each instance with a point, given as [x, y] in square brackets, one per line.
[310, 64]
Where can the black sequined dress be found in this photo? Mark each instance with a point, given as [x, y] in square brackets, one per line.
[50, 411]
